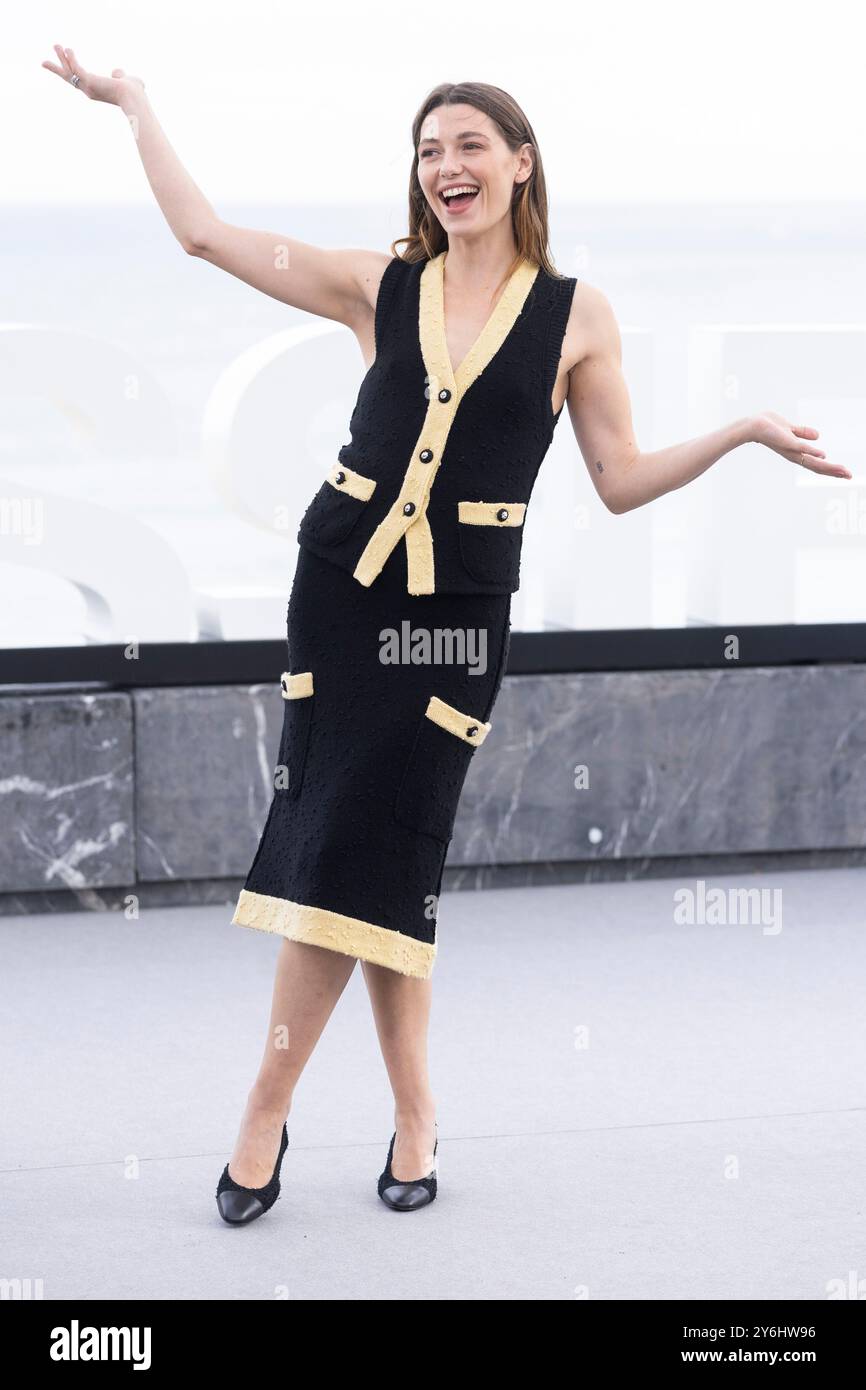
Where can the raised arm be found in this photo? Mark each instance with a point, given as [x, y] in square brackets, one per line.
[335, 284]
[600, 411]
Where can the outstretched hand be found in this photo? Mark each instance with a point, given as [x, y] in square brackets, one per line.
[98, 88]
[792, 442]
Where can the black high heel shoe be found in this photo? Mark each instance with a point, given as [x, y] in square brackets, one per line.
[405, 1195]
[239, 1205]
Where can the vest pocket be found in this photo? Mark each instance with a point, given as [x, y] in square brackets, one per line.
[436, 769]
[337, 505]
[490, 535]
[297, 691]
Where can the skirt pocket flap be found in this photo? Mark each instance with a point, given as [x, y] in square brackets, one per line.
[297, 686]
[472, 731]
[296, 689]
[433, 778]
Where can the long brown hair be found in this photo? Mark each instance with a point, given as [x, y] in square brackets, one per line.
[529, 203]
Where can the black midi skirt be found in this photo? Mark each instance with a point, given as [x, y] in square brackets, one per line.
[387, 696]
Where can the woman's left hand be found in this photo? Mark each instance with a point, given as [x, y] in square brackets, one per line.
[791, 441]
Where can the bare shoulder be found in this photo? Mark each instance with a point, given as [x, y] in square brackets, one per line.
[369, 267]
[592, 328]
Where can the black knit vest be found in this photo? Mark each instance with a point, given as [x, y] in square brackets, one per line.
[440, 461]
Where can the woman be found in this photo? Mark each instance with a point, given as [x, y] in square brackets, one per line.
[474, 342]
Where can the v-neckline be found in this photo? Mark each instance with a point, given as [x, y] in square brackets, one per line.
[485, 326]
[501, 320]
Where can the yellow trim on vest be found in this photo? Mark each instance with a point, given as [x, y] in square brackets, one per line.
[419, 557]
[354, 483]
[297, 686]
[471, 730]
[418, 479]
[487, 513]
[350, 935]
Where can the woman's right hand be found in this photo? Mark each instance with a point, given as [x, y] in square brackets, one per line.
[110, 89]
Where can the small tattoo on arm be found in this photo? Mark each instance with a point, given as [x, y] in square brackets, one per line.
[599, 465]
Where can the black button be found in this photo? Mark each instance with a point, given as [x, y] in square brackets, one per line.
[340, 478]
[444, 394]
[472, 731]
[409, 509]
[502, 514]
[426, 455]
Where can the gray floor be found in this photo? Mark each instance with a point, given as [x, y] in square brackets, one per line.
[628, 1107]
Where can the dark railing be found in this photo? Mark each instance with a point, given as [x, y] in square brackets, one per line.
[531, 653]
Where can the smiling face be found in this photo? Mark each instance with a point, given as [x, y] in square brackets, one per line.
[462, 148]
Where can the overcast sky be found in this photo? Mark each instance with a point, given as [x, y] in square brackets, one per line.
[276, 102]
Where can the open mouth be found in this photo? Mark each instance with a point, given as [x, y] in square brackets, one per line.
[459, 197]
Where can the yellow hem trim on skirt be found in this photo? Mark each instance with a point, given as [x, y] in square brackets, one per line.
[350, 935]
